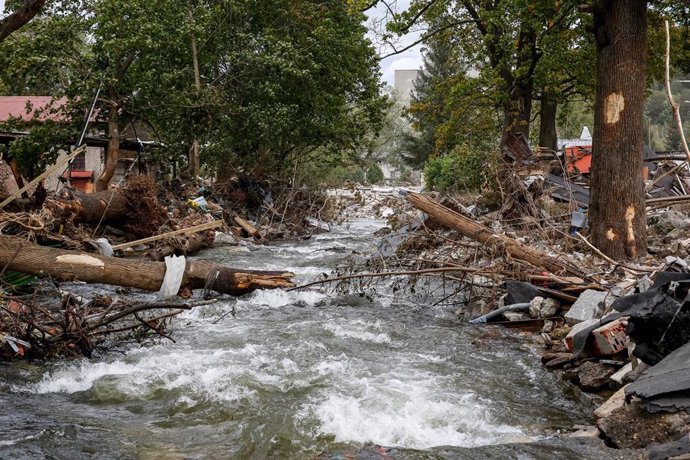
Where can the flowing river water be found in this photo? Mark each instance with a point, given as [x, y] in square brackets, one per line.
[293, 375]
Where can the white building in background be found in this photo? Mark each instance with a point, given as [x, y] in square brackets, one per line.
[403, 83]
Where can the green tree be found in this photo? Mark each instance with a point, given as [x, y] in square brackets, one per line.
[428, 105]
[277, 81]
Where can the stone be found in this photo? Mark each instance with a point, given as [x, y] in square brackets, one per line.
[622, 373]
[516, 316]
[577, 328]
[594, 376]
[557, 363]
[589, 431]
[590, 305]
[546, 357]
[540, 307]
[610, 338]
[674, 219]
[672, 260]
[616, 401]
[629, 426]
[678, 449]
[225, 239]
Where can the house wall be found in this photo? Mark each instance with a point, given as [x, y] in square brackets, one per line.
[92, 162]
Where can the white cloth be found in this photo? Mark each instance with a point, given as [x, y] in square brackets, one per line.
[174, 271]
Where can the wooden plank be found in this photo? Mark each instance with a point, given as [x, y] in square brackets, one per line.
[249, 228]
[45, 174]
[183, 231]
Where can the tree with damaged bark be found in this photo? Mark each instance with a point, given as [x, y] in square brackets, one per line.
[617, 208]
[26, 257]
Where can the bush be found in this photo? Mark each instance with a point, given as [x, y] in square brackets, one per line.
[461, 170]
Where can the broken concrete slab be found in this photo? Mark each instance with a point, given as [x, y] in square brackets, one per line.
[629, 426]
[622, 373]
[590, 305]
[616, 401]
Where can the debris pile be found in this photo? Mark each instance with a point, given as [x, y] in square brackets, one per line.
[605, 326]
[133, 236]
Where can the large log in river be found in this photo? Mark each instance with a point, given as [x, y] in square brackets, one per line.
[20, 255]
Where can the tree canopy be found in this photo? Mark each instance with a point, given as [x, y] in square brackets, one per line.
[277, 80]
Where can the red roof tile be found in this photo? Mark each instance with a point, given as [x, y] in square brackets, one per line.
[15, 106]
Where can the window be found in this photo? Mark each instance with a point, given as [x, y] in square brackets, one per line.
[79, 162]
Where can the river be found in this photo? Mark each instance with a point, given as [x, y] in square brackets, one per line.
[291, 375]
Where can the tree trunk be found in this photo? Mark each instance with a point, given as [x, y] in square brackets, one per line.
[196, 159]
[548, 138]
[518, 109]
[89, 207]
[617, 209]
[112, 154]
[478, 232]
[22, 256]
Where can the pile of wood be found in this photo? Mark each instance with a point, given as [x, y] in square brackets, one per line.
[117, 237]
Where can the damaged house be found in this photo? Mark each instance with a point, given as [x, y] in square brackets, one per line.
[85, 168]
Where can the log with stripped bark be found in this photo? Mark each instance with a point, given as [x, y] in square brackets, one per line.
[20, 255]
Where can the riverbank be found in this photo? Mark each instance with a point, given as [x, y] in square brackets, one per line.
[580, 316]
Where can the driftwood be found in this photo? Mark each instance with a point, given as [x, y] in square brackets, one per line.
[247, 227]
[478, 232]
[89, 207]
[183, 231]
[22, 256]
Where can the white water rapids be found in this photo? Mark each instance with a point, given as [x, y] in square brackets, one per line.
[291, 375]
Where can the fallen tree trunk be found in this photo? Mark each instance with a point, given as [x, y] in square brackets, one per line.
[20, 255]
[478, 232]
[89, 207]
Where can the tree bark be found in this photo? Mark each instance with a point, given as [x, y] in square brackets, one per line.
[548, 138]
[22, 256]
[112, 153]
[19, 18]
[617, 209]
[471, 229]
[196, 159]
[89, 207]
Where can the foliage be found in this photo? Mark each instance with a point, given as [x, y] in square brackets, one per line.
[463, 169]
[278, 80]
[428, 106]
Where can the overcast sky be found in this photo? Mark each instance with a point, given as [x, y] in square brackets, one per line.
[411, 59]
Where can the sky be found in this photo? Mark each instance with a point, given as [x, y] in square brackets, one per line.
[411, 59]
